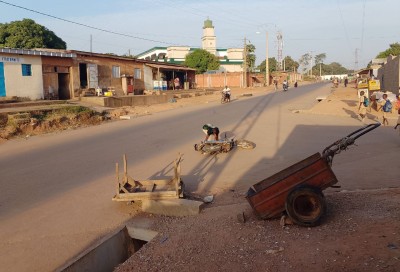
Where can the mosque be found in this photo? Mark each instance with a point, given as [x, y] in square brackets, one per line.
[230, 59]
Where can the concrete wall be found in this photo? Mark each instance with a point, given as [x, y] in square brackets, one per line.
[177, 52]
[219, 80]
[148, 77]
[104, 256]
[236, 79]
[231, 68]
[23, 86]
[389, 75]
[235, 53]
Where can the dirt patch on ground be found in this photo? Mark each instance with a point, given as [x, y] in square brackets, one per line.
[38, 122]
[360, 232]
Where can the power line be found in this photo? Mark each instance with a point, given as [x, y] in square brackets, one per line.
[363, 27]
[344, 26]
[84, 25]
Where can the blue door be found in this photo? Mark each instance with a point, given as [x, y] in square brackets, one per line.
[2, 84]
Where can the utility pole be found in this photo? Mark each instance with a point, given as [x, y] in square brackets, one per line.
[280, 49]
[245, 63]
[266, 63]
[320, 70]
[356, 60]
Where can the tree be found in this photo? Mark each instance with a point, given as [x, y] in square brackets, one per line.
[319, 58]
[394, 50]
[334, 68]
[202, 61]
[305, 61]
[28, 34]
[290, 64]
[251, 57]
[272, 65]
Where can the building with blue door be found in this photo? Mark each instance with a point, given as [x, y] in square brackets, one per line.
[21, 72]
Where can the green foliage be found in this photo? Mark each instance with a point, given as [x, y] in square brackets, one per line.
[394, 50]
[251, 57]
[304, 61]
[320, 58]
[69, 112]
[334, 68]
[201, 60]
[28, 34]
[291, 64]
[272, 65]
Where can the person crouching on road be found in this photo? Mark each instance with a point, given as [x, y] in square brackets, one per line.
[212, 131]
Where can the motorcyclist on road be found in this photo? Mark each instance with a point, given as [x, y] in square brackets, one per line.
[227, 93]
[285, 85]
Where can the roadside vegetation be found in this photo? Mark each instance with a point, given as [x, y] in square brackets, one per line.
[25, 124]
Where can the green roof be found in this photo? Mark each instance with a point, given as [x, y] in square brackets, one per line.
[151, 49]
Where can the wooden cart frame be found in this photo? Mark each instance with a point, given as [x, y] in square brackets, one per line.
[129, 189]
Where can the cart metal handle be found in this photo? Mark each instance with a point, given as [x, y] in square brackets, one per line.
[342, 144]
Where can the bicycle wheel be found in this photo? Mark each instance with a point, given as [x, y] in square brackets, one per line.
[245, 144]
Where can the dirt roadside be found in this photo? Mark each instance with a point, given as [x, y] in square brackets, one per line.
[360, 232]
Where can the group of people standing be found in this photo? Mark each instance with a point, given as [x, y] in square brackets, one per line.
[383, 105]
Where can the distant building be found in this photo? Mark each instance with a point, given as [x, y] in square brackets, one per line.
[66, 74]
[389, 74]
[230, 59]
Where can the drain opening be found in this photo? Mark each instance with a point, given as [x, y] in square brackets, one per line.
[110, 251]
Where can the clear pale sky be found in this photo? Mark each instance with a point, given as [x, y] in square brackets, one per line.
[334, 27]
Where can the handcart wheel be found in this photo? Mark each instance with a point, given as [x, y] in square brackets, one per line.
[306, 206]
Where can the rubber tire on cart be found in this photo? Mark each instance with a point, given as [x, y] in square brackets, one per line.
[306, 206]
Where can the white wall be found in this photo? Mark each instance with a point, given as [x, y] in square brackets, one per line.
[148, 77]
[23, 86]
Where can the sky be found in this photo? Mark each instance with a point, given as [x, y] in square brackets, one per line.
[337, 28]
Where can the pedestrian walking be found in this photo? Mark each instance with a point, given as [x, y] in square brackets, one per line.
[363, 105]
[398, 121]
[386, 108]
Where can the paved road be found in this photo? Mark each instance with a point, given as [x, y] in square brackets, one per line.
[56, 189]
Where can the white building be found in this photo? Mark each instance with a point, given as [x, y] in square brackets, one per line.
[231, 59]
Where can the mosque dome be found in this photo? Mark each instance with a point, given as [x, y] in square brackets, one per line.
[208, 24]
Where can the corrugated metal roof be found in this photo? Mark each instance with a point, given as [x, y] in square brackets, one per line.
[36, 53]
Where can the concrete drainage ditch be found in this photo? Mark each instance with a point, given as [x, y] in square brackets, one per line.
[110, 251]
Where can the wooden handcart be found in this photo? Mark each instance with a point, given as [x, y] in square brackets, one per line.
[297, 190]
[129, 189]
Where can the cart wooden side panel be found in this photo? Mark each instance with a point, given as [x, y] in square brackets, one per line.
[267, 197]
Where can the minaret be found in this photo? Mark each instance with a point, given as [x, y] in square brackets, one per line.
[209, 41]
